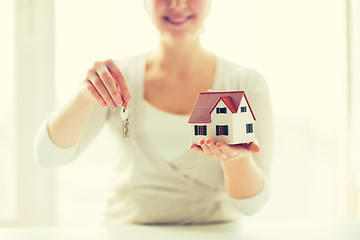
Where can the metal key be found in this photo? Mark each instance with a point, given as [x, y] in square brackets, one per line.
[124, 114]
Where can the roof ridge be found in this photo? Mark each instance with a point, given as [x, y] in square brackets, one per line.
[230, 104]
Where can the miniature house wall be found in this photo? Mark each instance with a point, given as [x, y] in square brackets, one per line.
[222, 116]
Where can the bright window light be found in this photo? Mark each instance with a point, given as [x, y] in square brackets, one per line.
[300, 49]
[7, 130]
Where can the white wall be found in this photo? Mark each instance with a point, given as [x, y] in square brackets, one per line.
[7, 128]
[354, 86]
[30, 97]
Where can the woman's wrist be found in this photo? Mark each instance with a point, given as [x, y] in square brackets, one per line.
[241, 161]
[243, 178]
[83, 97]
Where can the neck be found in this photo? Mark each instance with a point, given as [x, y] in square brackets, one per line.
[180, 58]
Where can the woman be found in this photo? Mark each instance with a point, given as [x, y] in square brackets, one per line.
[156, 179]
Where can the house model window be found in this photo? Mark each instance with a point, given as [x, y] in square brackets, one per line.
[222, 116]
[200, 130]
[222, 130]
[249, 128]
[221, 110]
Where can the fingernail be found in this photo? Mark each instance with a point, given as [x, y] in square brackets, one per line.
[118, 102]
[127, 98]
[113, 106]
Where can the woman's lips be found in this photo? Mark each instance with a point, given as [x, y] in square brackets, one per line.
[177, 20]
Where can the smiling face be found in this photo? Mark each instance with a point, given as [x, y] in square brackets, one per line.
[178, 19]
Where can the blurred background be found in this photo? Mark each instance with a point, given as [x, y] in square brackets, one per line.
[307, 50]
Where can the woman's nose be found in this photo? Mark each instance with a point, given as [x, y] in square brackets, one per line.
[177, 3]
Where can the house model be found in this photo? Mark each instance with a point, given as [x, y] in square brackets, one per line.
[222, 116]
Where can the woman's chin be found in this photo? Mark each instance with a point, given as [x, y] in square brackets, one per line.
[180, 36]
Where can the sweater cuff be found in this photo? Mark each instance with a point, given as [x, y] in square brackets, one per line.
[251, 205]
[47, 153]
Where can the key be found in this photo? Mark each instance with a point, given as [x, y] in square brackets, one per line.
[124, 114]
[126, 129]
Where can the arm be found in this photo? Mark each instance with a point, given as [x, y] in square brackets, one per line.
[66, 125]
[243, 178]
[57, 141]
[246, 169]
[102, 85]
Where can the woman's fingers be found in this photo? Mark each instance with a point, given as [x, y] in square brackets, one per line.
[106, 84]
[112, 92]
[196, 148]
[215, 151]
[210, 148]
[223, 151]
[253, 147]
[230, 151]
[119, 80]
[91, 90]
[101, 89]
[205, 148]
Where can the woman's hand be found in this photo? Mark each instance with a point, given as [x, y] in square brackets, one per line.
[225, 152]
[242, 177]
[106, 85]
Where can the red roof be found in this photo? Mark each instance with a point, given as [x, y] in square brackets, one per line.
[207, 101]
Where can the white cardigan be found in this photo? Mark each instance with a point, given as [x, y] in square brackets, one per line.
[168, 184]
